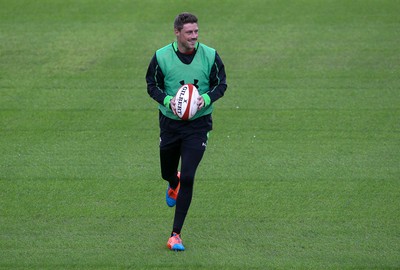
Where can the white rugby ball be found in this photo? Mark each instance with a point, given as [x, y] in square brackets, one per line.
[186, 101]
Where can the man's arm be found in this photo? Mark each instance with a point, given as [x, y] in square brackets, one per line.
[217, 82]
[155, 83]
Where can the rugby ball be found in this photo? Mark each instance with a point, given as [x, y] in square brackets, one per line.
[186, 101]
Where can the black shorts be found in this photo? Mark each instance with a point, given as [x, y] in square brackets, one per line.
[185, 134]
[196, 140]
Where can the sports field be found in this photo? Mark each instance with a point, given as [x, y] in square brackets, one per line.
[302, 170]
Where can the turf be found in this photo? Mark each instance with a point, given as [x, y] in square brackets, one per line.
[302, 169]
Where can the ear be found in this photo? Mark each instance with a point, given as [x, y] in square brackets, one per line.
[176, 31]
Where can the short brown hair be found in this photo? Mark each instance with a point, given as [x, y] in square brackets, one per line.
[184, 18]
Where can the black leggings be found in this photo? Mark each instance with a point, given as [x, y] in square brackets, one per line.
[189, 150]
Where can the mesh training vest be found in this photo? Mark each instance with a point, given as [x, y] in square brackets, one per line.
[176, 73]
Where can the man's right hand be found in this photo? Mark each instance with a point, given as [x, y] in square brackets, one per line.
[172, 104]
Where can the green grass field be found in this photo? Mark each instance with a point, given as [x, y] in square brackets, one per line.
[302, 169]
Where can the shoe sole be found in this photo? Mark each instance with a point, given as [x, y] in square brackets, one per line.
[178, 247]
[170, 202]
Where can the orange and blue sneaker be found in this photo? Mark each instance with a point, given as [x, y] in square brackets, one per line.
[175, 242]
[172, 194]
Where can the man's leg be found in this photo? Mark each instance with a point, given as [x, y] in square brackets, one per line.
[190, 158]
[169, 160]
[170, 153]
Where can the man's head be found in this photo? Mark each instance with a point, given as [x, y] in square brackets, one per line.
[182, 19]
[186, 31]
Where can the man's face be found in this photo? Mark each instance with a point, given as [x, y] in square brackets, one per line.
[187, 37]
